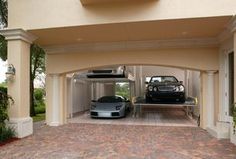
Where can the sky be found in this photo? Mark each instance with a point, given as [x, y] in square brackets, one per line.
[3, 69]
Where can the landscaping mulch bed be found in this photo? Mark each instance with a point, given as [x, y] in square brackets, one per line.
[8, 141]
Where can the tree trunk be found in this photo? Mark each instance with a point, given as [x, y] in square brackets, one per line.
[32, 110]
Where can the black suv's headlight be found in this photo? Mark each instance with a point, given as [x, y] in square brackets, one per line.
[179, 88]
[150, 88]
[154, 89]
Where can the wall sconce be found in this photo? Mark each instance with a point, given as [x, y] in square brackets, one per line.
[11, 71]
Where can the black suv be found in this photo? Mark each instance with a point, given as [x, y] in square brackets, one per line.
[165, 89]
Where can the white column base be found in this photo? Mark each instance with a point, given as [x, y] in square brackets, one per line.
[233, 139]
[220, 131]
[54, 124]
[22, 126]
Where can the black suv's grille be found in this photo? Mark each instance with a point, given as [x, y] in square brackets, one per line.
[166, 88]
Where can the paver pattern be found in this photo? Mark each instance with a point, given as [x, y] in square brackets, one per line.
[72, 141]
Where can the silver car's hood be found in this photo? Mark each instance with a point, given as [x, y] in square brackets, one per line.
[107, 106]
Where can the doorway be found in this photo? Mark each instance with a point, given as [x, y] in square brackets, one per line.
[231, 81]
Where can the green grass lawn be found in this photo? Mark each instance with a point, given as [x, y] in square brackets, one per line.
[39, 117]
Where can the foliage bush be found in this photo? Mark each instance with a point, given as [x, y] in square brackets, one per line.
[123, 90]
[39, 94]
[5, 132]
[4, 103]
[3, 90]
[39, 102]
[234, 117]
[40, 109]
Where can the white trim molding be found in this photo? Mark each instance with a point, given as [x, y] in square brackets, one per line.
[18, 34]
[229, 29]
[232, 26]
[133, 45]
[22, 126]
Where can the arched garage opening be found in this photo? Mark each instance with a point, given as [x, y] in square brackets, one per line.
[193, 59]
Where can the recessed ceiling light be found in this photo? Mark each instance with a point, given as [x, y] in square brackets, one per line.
[79, 39]
[184, 33]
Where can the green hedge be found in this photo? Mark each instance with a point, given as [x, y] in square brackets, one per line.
[39, 103]
[5, 100]
[40, 109]
[6, 133]
[3, 90]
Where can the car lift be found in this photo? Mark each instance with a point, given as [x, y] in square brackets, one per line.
[140, 102]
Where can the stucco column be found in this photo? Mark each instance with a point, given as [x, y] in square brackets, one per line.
[55, 100]
[207, 106]
[210, 101]
[19, 88]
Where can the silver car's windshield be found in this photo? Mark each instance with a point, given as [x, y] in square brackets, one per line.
[110, 99]
[163, 79]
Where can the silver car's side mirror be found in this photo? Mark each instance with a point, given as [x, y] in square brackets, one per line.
[93, 101]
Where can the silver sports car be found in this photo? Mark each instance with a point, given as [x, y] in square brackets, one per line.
[110, 107]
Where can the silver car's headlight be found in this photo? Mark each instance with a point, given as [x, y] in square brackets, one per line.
[179, 88]
[118, 107]
[150, 88]
[93, 107]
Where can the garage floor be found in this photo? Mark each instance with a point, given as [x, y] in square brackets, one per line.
[158, 116]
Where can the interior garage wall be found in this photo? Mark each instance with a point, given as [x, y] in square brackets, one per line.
[101, 89]
[81, 96]
[158, 70]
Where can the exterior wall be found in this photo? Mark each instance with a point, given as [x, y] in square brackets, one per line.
[194, 58]
[225, 48]
[26, 13]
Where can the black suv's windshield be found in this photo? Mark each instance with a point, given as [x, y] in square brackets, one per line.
[163, 79]
[110, 99]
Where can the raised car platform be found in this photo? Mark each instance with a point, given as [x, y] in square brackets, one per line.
[139, 102]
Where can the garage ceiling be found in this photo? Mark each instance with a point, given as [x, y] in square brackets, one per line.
[133, 31]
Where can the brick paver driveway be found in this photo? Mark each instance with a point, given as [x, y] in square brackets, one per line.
[119, 141]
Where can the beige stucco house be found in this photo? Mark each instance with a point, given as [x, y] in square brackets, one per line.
[78, 35]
